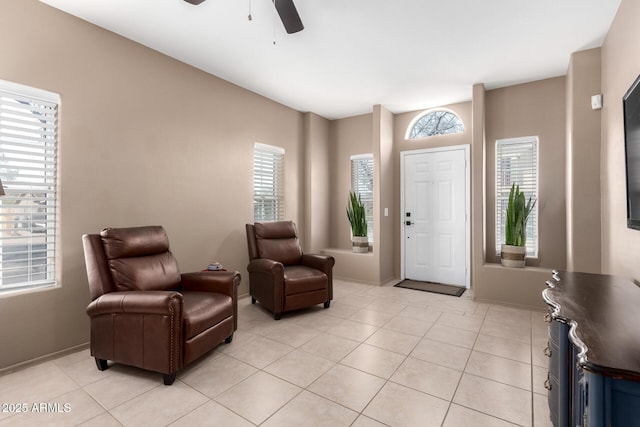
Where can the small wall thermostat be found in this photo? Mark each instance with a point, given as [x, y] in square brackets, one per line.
[596, 102]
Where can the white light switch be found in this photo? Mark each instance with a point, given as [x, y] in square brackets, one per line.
[386, 211]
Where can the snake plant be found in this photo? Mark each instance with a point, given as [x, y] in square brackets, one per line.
[517, 216]
[357, 215]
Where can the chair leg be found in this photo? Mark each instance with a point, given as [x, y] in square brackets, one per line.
[229, 339]
[253, 300]
[101, 364]
[169, 378]
[277, 316]
[327, 304]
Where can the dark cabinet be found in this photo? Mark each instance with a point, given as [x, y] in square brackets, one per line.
[593, 350]
[558, 377]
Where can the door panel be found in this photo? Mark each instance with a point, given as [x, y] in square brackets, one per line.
[446, 251]
[435, 205]
[445, 208]
[422, 243]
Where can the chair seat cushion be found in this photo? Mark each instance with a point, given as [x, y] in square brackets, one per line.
[203, 310]
[299, 279]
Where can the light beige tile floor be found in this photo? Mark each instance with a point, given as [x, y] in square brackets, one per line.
[379, 356]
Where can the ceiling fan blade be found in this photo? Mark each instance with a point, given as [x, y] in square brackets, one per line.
[196, 2]
[289, 15]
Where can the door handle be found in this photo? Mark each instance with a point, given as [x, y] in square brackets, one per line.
[408, 223]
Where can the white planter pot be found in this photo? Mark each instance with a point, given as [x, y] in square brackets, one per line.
[360, 244]
[513, 256]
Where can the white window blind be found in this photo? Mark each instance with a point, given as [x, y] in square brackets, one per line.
[362, 184]
[268, 183]
[28, 170]
[517, 163]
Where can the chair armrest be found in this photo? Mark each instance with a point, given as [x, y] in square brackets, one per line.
[224, 282]
[265, 266]
[320, 262]
[138, 302]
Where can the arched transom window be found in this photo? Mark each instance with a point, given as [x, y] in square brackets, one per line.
[435, 122]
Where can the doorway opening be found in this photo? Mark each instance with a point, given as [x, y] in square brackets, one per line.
[435, 213]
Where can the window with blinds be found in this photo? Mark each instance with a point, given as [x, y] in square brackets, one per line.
[362, 184]
[517, 162]
[28, 170]
[268, 183]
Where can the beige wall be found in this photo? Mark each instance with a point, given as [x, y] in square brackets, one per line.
[558, 111]
[144, 139]
[492, 282]
[620, 67]
[583, 163]
[349, 136]
[510, 112]
[528, 116]
[400, 144]
[478, 178]
[532, 109]
[384, 189]
[316, 164]
[368, 133]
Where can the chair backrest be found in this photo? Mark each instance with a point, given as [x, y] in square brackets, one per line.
[136, 258]
[276, 240]
[100, 280]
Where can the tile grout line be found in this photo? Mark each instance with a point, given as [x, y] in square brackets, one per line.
[387, 380]
[464, 370]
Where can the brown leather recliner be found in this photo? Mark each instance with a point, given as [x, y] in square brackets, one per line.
[281, 277]
[145, 313]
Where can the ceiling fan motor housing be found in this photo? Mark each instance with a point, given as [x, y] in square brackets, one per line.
[287, 11]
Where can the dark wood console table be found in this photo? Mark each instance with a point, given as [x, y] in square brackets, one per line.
[594, 350]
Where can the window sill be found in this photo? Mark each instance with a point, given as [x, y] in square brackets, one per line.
[329, 251]
[8, 293]
[498, 265]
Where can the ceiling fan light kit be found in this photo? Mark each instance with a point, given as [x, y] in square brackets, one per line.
[286, 10]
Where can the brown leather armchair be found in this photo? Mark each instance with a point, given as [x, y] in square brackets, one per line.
[145, 313]
[281, 277]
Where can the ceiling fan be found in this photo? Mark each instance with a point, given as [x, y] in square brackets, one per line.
[286, 10]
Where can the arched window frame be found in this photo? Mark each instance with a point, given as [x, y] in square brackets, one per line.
[426, 113]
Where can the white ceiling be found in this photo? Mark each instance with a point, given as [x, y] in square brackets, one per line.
[353, 54]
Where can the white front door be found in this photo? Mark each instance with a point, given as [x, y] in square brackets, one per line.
[435, 214]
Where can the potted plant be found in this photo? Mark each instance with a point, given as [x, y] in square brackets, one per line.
[513, 251]
[358, 220]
